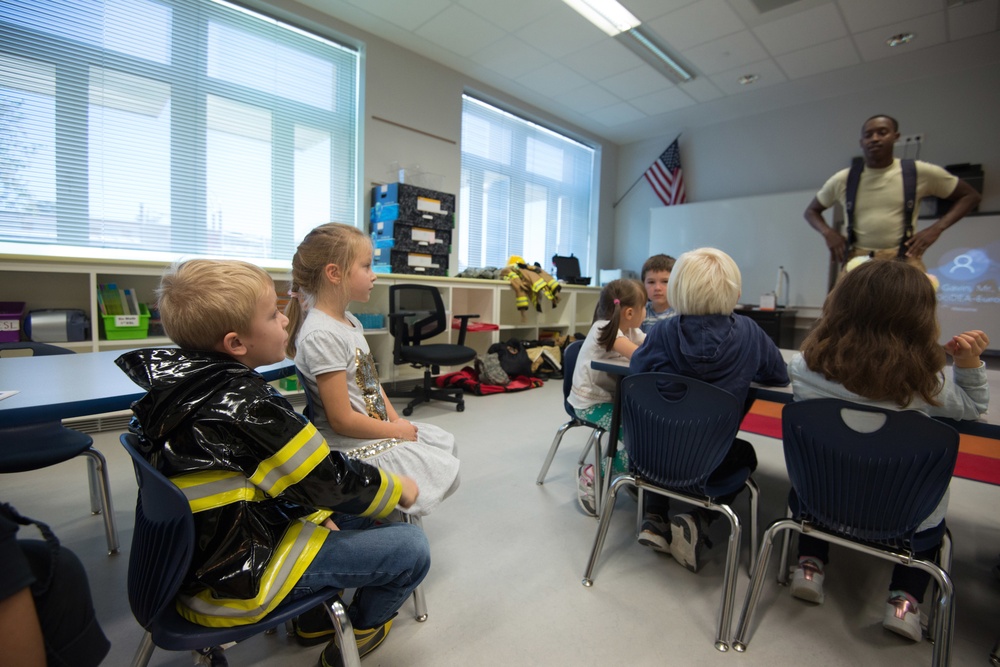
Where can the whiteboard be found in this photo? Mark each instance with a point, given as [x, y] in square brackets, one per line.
[761, 233]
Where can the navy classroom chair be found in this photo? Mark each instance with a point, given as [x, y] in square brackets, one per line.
[162, 547]
[678, 430]
[35, 446]
[842, 493]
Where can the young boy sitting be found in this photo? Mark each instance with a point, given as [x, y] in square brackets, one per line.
[656, 279]
[277, 514]
[708, 342]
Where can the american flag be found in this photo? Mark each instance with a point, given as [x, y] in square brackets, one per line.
[667, 177]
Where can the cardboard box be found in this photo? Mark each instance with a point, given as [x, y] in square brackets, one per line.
[11, 313]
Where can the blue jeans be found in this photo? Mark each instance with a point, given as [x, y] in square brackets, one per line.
[384, 562]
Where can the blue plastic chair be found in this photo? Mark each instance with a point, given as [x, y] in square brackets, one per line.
[162, 547]
[678, 430]
[569, 358]
[35, 446]
[866, 488]
[419, 601]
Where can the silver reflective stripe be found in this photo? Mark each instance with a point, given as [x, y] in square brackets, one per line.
[294, 463]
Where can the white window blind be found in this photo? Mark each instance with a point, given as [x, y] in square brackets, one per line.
[526, 190]
[170, 127]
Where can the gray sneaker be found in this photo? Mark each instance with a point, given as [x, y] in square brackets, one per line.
[686, 540]
[655, 533]
[585, 490]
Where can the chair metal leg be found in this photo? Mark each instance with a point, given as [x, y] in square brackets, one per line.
[110, 528]
[419, 602]
[602, 526]
[144, 652]
[944, 625]
[783, 563]
[586, 449]
[601, 480]
[345, 632]
[729, 581]
[944, 560]
[754, 491]
[741, 638]
[93, 482]
[552, 451]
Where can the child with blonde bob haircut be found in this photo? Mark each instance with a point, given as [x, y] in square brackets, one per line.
[708, 342]
[331, 268]
[277, 514]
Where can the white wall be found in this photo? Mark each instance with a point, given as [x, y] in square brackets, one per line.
[799, 148]
[426, 97]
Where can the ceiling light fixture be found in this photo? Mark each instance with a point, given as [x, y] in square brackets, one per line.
[608, 15]
[618, 22]
[747, 79]
[901, 38]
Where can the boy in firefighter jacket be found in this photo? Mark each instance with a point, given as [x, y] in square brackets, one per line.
[277, 513]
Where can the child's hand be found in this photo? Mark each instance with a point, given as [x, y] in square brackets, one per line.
[405, 430]
[330, 525]
[965, 348]
[410, 492]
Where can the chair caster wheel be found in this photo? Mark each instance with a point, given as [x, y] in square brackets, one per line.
[407, 412]
[460, 407]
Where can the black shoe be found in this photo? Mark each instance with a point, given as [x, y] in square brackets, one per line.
[313, 627]
[367, 641]
[211, 657]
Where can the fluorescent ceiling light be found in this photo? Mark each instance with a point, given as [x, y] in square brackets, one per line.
[648, 47]
[608, 15]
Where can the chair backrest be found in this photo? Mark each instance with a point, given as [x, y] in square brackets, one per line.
[428, 319]
[310, 408]
[31, 350]
[569, 357]
[677, 429]
[162, 542]
[877, 484]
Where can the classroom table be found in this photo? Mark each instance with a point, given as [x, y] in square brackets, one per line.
[55, 387]
[988, 427]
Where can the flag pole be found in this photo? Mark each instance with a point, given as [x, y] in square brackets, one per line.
[615, 205]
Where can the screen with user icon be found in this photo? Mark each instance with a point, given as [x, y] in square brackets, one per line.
[966, 262]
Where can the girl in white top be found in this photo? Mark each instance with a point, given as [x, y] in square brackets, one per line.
[332, 267]
[614, 336]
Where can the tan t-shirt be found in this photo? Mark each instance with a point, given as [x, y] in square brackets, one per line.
[878, 219]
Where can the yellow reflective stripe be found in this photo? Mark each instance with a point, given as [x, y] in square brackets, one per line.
[291, 463]
[318, 517]
[293, 554]
[390, 489]
[215, 488]
[537, 285]
[521, 301]
[553, 284]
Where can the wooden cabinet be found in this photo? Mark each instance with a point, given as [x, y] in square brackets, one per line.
[73, 284]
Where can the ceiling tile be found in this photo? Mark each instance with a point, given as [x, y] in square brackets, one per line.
[601, 60]
[802, 30]
[696, 24]
[927, 31]
[511, 15]
[509, 56]
[619, 114]
[767, 71]
[552, 79]
[701, 89]
[972, 18]
[561, 32]
[740, 48]
[636, 82]
[820, 58]
[460, 31]
[404, 13]
[866, 14]
[647, 10]
[662, 101]
[588, 98]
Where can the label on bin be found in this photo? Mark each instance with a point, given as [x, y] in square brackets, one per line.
[10, 325]
[126, 321]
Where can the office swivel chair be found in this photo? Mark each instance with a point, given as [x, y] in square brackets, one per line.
[162, 547]
[417, 314]
[34, 446]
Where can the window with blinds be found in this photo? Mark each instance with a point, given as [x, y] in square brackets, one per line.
[526, 190]
[152, 128]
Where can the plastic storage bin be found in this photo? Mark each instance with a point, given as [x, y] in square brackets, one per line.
[11, 313]
[126, 327]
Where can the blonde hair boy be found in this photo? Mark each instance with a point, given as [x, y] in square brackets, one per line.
[705, 281]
